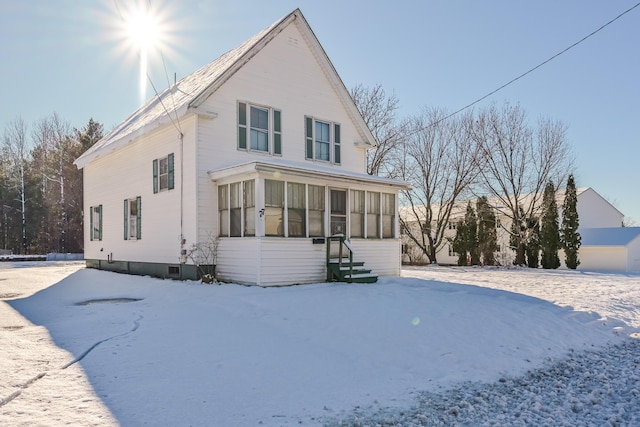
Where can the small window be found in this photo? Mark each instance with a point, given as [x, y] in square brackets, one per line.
[388, 215]
[322, 140]
[296, 210]
[95, 219]
[163, 173]
[133, 218]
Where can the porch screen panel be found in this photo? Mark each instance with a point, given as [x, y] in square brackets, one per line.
[296, 206]
[249, 208]
[235, 209]
[357, 213]
[388, 215]
[373, 214]
[223, 210]
[274, 207]
[316, 211]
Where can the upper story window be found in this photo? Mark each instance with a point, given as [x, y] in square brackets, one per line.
[259, 129]
[322, 140]
[163, 174]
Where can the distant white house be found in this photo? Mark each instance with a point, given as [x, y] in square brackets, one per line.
[616, 249]
[593, 211]
[262, 150]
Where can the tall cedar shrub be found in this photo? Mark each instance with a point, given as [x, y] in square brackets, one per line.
[471, 221]
[487, 233]
[549, 230]
[459, 243]
[569, 237]
[533, 243]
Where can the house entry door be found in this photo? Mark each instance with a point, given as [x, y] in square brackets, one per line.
[338, 212]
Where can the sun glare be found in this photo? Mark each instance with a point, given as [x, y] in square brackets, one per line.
[143, 29]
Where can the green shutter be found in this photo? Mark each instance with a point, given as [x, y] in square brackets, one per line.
[309, 137]
[171, 171]
[242, 125]
[100, 222]
[139, 218]
[155, 176]
[277, 133]
[336, 145]
[91, 223]
[126, 218]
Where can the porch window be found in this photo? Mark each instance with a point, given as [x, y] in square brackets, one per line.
[163, 173]
[316, 210]
[249, 206]
[235, 209]
[322, 140]
[274, 208]
[388, 215]
[357, 213]
[296, 209]
[373, 214]
[95, 217]
[261, 126]
[223, 210]
[133, 218]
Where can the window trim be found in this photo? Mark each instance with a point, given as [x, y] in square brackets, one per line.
[127, 218]
[157, 181]
[311, 141]
[274, 130]
[92, 222]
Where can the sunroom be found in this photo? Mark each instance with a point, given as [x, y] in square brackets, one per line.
[283, 213]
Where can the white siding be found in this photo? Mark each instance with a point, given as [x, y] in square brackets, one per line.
[127, 173]
[382, 256]
[595, 212]
[603, 258]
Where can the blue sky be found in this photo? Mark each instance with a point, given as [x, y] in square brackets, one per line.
[70, 57]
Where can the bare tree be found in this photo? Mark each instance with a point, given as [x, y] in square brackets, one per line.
[440, 161]
[379, 113]
[518, 161]
[16, 150]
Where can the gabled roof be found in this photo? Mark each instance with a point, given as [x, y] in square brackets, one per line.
[614, 236]
[188, 94]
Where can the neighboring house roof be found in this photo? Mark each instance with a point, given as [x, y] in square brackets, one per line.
[188, 94]
[612, 236]
[304, 169]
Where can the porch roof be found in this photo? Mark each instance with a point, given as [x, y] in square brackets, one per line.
[314, 170]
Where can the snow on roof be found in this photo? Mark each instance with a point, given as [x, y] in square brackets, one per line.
[613, 236]
[190, 92]
[306, 169]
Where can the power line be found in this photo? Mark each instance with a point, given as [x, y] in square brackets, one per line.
[178, 127]
[530, 70]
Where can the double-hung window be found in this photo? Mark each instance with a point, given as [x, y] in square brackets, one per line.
[322, 140]
[316, 210]
[259, 129]
[373, 214]
[133, 218]
[95, 226]
[296, 209]
[163, 173]
[388, 215]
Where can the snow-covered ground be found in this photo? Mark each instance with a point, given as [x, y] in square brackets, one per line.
[438, 346]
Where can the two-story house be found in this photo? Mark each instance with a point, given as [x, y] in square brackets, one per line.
[262, 150]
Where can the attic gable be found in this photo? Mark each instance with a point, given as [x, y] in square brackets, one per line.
[188, 94]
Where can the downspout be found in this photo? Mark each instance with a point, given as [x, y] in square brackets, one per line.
[183, 251]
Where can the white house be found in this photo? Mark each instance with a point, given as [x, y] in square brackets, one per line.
[593, 211]
[262, 150]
